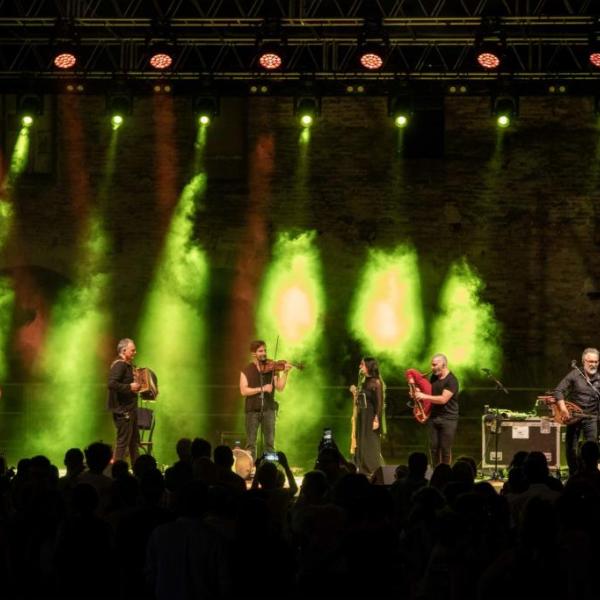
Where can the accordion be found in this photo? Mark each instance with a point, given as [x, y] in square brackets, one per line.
[148, 382]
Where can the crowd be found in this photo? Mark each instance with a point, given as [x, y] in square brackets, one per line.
[196, 531]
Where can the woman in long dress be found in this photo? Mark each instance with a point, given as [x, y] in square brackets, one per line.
[368, 417]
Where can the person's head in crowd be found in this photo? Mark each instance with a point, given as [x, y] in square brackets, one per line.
[441, 476]
[178, 475]
[417, 465]
[462, 472]
[401, 472]
[23, 468]
[41, 468]
[269, 476]
[223, 457]
[314, 487]
[119, 469]
[201, 448]
[143, 463]
[536, 467]
[2, 465]
[471, 462]
[184, 449]
[74, 461]
[98, 456]
[328, 461]
[518, 459]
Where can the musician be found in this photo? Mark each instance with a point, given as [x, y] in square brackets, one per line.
[367, 418]
[443, 419]
[122, 401]
[257, 384]
[583, 388]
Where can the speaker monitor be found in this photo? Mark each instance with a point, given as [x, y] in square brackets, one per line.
[542, 435]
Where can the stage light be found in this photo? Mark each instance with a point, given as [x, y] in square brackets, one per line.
[490, 43]
[307, 108]
[205, 107]
[160, 60]
[29, 106]
[505, 108]
[489, 60]
[594, 58]
[270, 59]
[119, 105]
[371, 59]
[65, 60]
[401, 121]
[401, 108]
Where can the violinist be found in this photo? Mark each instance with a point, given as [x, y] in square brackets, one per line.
[258, 381]
[583, 389]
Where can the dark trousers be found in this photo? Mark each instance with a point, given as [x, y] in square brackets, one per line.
[589, 429]
[267, 422]
[128, 435]
[441, 438]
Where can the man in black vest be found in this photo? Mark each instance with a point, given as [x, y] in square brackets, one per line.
[122, 401]
[256, 385]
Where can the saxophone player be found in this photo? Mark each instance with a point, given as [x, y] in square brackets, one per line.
[583, 389]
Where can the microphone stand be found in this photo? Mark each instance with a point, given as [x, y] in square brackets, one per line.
[497, 422]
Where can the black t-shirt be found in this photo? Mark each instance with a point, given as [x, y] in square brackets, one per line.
[253, 403]
[450, 409]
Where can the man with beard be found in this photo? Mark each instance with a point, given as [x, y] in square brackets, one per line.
[583, 389]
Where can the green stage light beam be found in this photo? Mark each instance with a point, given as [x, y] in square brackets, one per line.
[290, 309]
[20, 154]
[172, 334]
[466, 329]
[387, 313]
[70, 362]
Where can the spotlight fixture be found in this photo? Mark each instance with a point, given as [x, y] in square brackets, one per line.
[371, 56]
[270, 57]
[557, 88]
[270, 41]
[490, 44]
[307, 108]
[505, 108]
[65, 59]
[29, 106]
[161, 56]
[74, 88]
[594, 55]
[205, 107]
[372, 43]
[119, 105]
[65, 45]
[401, 108]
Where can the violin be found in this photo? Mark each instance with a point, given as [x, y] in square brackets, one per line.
[277, 366]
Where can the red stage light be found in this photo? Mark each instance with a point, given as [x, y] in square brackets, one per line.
[371, 61]
[595, 59]
[65, 60]
[161, 61]
[488, 60]
[270, 61]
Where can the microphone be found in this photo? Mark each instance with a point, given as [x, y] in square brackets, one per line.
[486, 371]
